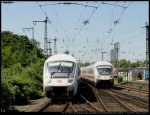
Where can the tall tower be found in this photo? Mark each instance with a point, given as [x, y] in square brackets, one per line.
[45, 34]
[147, 42]
[50, 49]
[45, 38]
[55, 47]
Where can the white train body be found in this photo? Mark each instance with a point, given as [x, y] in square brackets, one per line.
[98, 72]
[61, 75]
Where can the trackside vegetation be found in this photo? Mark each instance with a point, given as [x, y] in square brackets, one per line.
[22, 62]
[21, 69]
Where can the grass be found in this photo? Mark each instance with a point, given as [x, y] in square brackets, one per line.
[22, 108]
[117, 83]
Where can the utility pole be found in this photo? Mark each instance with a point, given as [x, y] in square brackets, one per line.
[117, 46]
[147, 42]
[28, 29]
[45, 34]
[50, 50]
[102, 55]
[55, 46]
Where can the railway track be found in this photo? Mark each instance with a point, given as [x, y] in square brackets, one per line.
[41, 107]
[69, 107]
[111, 103]
[108, 102]
[91, 106]
[138, 104]
[134, 104]
[130, 95]
[85, 107]
[138, 90]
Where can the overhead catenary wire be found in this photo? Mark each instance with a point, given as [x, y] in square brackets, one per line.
[113, 4]
[70, 3]
[117, 21]
[42, 9]
[86, 22]
[132, 37]
[47, 16]
[91, 43]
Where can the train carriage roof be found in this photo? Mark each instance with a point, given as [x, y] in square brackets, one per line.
[97, 64]
[61, 57]
[102, 63]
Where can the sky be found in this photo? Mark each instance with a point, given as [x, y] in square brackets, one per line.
[85, 28]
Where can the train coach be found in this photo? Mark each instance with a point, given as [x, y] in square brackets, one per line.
[61, 76]
[98, 73]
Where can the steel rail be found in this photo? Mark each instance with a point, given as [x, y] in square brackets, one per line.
[93, 106]
[65, 107]
[99, 99]
[120, 102]
[72, 107]
[42, 107]
[141, 104]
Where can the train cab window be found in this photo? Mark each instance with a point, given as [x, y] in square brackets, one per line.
[104, 70]
[60, 66]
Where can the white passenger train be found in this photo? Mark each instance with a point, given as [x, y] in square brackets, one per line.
[98, 72]
[61, 76]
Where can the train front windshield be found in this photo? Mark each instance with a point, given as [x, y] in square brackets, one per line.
[60, 67]
[104, 70]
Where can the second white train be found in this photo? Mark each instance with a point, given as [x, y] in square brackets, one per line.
[98, 72]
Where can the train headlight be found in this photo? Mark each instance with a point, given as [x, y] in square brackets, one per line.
[70, 80]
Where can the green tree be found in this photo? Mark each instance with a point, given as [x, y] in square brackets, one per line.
[22, 69]
[124, 64]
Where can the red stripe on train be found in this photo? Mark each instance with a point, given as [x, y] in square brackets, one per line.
[83, 75]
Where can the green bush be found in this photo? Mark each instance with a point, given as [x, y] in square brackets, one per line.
[119, 79]
[7, 97]
[25, 86]
[24, 83]
[22, 69]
